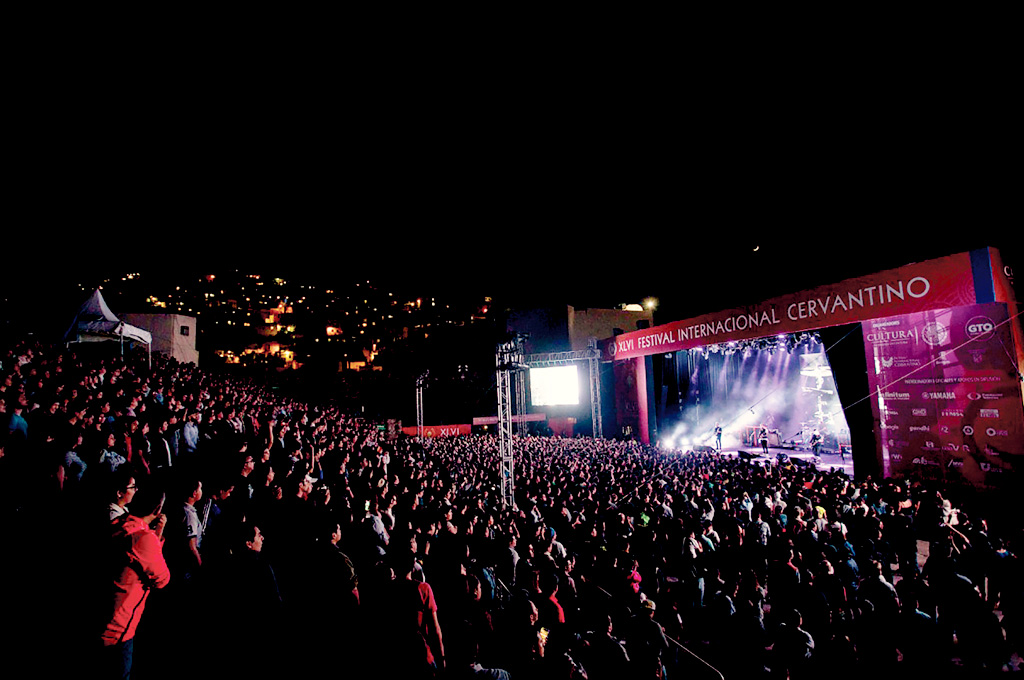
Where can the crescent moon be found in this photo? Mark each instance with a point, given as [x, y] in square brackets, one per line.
[757, 248]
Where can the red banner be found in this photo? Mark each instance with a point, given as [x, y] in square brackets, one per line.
[631, 399]
[942, 283]
[1004, 292]
[562, 427]
[434, 431]
[945, 395]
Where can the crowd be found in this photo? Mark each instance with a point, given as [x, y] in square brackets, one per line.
[177, 523]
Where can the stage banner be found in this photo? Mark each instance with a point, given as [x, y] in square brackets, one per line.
[945, 395]
[941, 283]
[435, 431]
[1003, 291]
[562, 427]
[630, 390]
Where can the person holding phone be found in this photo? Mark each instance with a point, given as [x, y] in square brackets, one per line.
[138, 567]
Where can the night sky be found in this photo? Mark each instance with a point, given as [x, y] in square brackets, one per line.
[532, 204]
[591, 178]
[693, 263]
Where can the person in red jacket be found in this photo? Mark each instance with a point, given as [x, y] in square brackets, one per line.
[138, 567]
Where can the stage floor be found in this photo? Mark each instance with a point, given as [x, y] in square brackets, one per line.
[828, 460]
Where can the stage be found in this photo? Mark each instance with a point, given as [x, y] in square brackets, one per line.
[829, 459]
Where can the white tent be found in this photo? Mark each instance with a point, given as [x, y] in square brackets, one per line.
[94, 322]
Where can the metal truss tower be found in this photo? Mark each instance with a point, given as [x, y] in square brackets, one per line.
[421, 382]
[519, 380]
[509, 362]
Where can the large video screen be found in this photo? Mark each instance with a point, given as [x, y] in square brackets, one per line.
[554, 386]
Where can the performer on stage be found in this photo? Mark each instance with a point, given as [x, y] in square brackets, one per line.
[762, 437]
[816, 440]
[718, 437]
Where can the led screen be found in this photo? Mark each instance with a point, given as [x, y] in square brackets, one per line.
[554, 386]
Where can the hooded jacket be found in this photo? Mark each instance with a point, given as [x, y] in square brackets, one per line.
[140, 567]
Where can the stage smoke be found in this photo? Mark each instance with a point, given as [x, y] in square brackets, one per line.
[789, 390]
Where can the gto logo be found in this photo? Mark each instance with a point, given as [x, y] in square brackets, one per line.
[980, 328]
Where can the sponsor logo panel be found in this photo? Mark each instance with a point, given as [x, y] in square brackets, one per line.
[947, 401]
